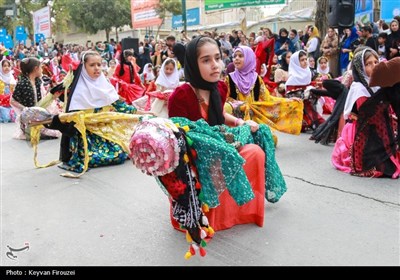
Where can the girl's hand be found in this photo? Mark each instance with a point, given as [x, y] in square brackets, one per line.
[253, 125]
[57, 94]
[140, 112]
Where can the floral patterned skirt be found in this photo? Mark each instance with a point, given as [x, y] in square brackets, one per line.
[101, 153]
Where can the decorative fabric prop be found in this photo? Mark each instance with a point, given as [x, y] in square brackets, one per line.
[154, 148]
[112, 126]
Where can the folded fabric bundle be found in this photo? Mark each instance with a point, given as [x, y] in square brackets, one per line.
[154, 148]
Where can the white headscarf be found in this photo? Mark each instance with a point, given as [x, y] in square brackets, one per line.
[149, 72]
[55, 68]
[171, 81]
[104, 67]
[8, 78]
[357, 89]
[92, 93]
[319, 70]
[298, 76]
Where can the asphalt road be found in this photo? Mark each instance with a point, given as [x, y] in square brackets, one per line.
[119, 216]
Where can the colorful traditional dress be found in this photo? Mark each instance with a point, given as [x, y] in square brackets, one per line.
[259, 167]
[127, 82]
[91, 96]
[299, 79]
[256, 103]
[7, 85]
[368, 145]
[156, 101]
[30, 96]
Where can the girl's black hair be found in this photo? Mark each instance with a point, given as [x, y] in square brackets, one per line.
[28, 64]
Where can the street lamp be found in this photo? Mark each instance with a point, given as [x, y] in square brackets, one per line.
[15, 7]
[52, 19]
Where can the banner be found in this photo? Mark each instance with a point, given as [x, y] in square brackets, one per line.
[41, 22]
[389, 9]
[144, 13]
[20, 34]
[211, 5]
[8, 42]
[364, 11]
[192, 18]
[3, 32]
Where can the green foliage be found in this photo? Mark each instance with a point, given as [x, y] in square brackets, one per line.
[94, 15]
[169, 6]
[59, 13]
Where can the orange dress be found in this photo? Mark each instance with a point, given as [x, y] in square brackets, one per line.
[228, 213]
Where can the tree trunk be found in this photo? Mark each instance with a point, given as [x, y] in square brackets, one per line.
[108, 34]
[116, 35]
[321, 17]
[158, 29]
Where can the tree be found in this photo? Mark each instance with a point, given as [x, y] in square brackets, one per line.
[94, 15]
[59, 13]
[24, 17]
[321, 18]
[168, 6]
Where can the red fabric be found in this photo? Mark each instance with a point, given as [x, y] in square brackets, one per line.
[328, 105]
[127, 76]
[293, 88]
[228, 213]
[17, 72]
[151, 86]
[5, 100]
[310, 116]
[360, 101]
[264, 54]
[129, 92]
[183, 102]
[67, 61]
[271, 86]
[155, 94]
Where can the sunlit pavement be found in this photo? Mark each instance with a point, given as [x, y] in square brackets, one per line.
[119, 216]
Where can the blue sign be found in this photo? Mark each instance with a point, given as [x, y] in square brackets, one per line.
[20, 34]
[192, 18]
[389, 9]
[39, 36]
[364, 11]
[3, 32]
[8, 42]
[363, 6]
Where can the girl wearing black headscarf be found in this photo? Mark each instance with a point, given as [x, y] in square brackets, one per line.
[203, 96]
[393, 40]
[127, 79]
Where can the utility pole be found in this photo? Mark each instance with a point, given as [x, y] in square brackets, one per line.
[184, 15]
[377, 10]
